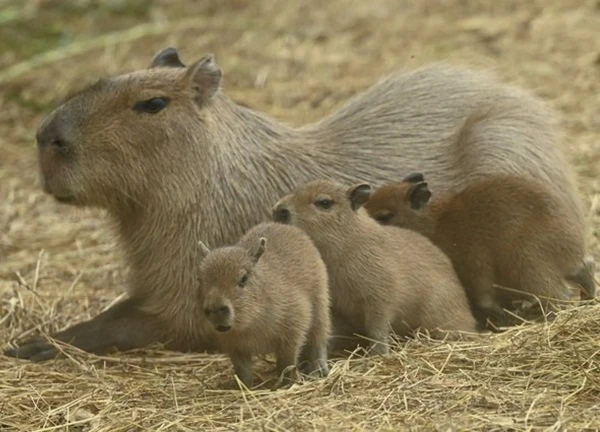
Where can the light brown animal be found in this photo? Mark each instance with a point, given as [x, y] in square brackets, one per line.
[502, 232]
[268, 293]
[381, 278]
[173, 160]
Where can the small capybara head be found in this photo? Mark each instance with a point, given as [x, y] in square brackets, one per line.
[321, 205]
[112, 142]
[230, 285]
[401, 203]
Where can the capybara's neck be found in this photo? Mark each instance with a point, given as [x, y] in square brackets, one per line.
[253, 161]
[360, 235]
[163, 254]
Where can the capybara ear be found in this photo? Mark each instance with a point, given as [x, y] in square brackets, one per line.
[415, 177]
[418, 196]
[258, 251]
[358, 195]
[205, 250]
[204, 77]
[167, 58]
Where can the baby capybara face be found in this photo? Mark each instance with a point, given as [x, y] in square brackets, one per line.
[229, 286]
[321, 204]
[119, 137]
[399, 204]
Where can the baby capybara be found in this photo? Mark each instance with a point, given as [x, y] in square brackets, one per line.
[381, 278]
[504, 232]
[268, 293]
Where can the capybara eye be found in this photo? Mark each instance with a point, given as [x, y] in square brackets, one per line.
[324, 203]
[243, 280]
[151, 106]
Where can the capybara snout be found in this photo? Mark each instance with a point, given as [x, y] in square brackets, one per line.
[220, 315]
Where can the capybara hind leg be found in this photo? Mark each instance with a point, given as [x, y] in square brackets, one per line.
[489, 312]
[584, 278]
[313, 359]
[377, 329]
[486, 309]
[477, 276]
[344, 336]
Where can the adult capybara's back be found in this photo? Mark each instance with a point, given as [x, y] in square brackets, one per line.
[174, 160]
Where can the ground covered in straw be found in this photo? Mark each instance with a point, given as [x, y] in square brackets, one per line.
[296, 61]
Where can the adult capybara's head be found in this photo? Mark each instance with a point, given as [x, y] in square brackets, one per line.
[401, 203]
[231, 286]
[322, 208]
[112, 142]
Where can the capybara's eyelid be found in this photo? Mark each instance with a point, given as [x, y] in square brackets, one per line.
[324, 203]
[152, 105]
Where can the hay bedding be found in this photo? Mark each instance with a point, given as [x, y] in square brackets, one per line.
[545, 375]
[297, 62]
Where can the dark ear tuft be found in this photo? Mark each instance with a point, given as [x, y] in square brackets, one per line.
[258, 251]
[167, 58]
[415, 177]
[358, 195]
[419, 196]
[204, 77]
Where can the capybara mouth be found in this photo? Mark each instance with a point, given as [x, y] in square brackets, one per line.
[223, 328]
[69, 199]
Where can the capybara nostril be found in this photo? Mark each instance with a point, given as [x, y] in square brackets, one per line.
[50, 136]
[59, 144]
[223, 311]
[218, 311]
[281, 214]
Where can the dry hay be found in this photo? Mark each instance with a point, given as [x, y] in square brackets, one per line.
[296, 61]
[538, 375]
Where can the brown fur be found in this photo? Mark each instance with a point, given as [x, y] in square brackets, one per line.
[281, 307]
[205, 167]
[510, 231]
[380, 277]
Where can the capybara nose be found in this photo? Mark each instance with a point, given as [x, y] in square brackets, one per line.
[281, 214]
[49, 135]
[219, 313]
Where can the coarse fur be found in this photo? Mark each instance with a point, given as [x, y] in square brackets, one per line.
[506, 235]
[195, 165]
[381, 278]
[266, 294]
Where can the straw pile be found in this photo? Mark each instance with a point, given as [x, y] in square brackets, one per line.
[296, 61]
